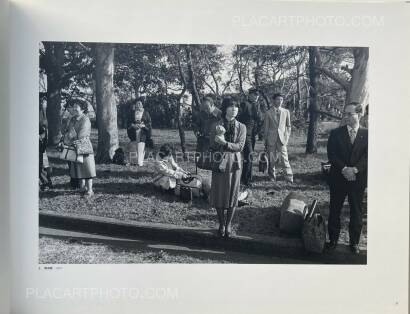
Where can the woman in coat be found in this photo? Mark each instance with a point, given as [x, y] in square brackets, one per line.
[139, 132]
[79, 128]
[227, 158]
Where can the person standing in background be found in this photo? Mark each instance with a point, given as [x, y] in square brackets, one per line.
[276, 133]
[45, 169]
[202, 122]
[139, 132]
[249, 117]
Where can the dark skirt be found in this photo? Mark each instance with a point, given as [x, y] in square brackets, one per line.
[225, 189]
[86, 170]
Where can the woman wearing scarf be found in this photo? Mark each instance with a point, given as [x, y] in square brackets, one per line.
[226, 177]
[139, 131]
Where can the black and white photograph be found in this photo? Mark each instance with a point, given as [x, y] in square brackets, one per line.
[202, 153]
[204, 157]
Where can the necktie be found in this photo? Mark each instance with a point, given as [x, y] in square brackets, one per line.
[277, 115]
[352, 134]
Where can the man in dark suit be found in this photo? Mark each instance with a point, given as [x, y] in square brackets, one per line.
[250, 116]
[347, 153]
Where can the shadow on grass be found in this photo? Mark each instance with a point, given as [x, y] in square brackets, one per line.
[250, 219]
[103, 174]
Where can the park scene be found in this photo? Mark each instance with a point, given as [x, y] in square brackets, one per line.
[144, 107]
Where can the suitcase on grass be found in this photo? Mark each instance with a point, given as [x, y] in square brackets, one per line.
[292, 214]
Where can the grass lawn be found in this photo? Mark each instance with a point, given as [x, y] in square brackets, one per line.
[126, 192]
[61, 251]
[54, 251]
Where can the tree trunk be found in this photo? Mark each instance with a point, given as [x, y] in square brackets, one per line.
[311, 145]
[106, 108]
[54, 54]
[358, 87]
[191, 77]
[298, 107]
[180, 124]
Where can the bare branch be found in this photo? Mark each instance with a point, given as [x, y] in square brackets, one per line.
[339, 80]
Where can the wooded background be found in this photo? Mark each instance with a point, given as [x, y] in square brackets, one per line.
[317, 82]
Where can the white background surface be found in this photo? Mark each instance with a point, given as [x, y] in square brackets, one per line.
[379, 287]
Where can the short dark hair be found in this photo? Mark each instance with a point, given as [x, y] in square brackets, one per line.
[253, 90]
[226, 103]
[79, 101]
[165, 150]
[208, 98]
[276, 95]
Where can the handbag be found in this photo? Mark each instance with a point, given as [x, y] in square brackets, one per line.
[194, 183]
[186, 194]
[83, 146]
[314, 234]
[69, 153]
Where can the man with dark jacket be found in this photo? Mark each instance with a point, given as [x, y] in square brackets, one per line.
[249, 116]
[347, 153]
[202, 121]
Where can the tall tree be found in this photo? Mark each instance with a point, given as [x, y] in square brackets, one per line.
[53, 60]
[311, 145]
[66, 65]
[181, 95]
[354, 80]
[106, 107]
[191, 76]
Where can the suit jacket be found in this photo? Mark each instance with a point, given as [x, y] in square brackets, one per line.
[202, 125]
[248, 116]
[274, 128]
[342, 153]
[233, 151]
[145, 132]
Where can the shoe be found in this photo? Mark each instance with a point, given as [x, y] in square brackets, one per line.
[243, 196]
[355, 249]
[221, 231]
[272, 178]
[228, 232]
[88, 194]
[289, 179]
[330, 246]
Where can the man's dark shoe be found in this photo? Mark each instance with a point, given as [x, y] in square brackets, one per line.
[355, 249]
[330, 246]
